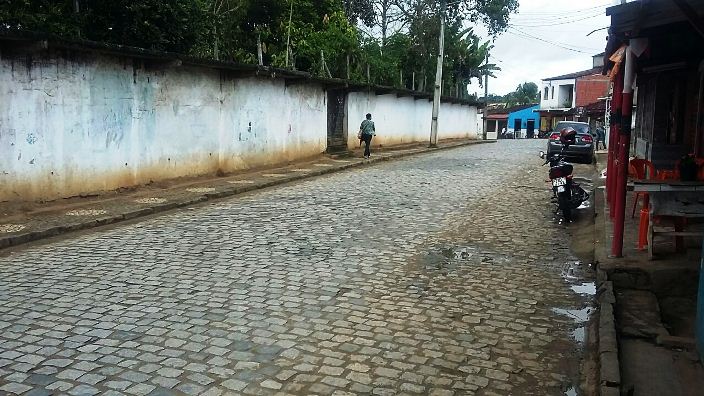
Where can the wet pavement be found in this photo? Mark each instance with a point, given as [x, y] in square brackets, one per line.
[443, 274]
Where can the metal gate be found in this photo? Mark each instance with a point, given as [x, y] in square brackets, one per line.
[337, 136]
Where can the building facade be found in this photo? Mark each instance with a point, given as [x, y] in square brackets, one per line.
[578, 96]
[524, 120]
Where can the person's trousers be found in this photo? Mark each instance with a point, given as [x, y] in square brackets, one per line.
[367, 144]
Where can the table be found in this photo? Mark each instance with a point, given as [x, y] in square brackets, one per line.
[672, 198]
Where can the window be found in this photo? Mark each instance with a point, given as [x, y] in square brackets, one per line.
[545, 95]
[553, 93]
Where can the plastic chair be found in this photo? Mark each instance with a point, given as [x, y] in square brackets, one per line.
[643, 169]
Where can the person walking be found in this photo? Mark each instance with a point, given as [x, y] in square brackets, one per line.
[600, 136]
[366, 132]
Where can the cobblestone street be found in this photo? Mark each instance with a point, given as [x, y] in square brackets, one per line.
[439, 274]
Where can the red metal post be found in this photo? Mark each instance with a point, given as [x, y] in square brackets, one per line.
[623, 152]
[614, 133]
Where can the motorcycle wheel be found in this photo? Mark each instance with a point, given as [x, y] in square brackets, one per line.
[565, 204]
[578, 196]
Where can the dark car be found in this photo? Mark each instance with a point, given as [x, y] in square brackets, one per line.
[583, 149]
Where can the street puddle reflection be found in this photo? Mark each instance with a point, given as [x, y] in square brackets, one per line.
[587, 288]
[578, 315]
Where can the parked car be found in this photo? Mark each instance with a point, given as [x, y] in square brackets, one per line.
[583, 149]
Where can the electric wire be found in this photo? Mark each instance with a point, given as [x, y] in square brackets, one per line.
[556, 42]
[566, 22]
[559, 45]
[543, 14]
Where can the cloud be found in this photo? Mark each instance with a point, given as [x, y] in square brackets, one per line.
[535, 46]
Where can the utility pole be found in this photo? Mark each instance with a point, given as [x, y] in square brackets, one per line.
[486, 93]
[438, 78]
[288, 36]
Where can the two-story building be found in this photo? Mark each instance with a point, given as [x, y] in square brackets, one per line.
[578, 96]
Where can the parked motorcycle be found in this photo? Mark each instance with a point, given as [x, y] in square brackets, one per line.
[569, 194]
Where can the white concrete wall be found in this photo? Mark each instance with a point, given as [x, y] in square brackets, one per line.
[407, 120]
[556, 102]
[95, 123]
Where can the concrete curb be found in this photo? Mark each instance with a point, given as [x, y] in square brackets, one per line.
[30, 236]
[609, 365]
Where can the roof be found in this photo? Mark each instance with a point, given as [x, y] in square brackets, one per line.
[497, 116]
[520, 107]
[663, 23]
[46, 41]
[598, 108]
[504, 112]
[638, 15]
[588, 72]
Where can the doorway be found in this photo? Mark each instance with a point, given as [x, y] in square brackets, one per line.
[517, 123]
[530, 129]
[337, 136]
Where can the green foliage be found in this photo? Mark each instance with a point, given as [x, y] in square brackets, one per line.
[525, 93]
[404, 55]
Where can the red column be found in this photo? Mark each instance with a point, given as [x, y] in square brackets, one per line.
[623, 153]
[614, 133]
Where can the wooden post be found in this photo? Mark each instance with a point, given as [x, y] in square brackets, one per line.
[288, 35]
[400, 72]
[323, 66]
[369, 81]
[260, 54]
[413, 81]
[348, 66]
[216, 50]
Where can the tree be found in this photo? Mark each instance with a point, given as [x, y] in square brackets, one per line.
[525, 93]
[387, 14]
[401, 51]
[359, 10]
[160, 25]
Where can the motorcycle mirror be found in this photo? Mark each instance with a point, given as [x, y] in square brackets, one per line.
[542, 155]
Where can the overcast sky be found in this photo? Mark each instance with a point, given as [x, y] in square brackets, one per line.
[547, 38]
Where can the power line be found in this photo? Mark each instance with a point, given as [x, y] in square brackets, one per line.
[565, 12]
[563, 46]
[560, 18]
[566, 22]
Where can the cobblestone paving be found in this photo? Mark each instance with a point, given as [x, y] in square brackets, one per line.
[433, 275]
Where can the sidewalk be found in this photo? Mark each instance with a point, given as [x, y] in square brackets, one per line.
[647, 313]
[25, 222]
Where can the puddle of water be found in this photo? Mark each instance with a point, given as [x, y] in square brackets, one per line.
[579, 315]
[571, 392]
[579, 334]
[588, 288]
[461, 253]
